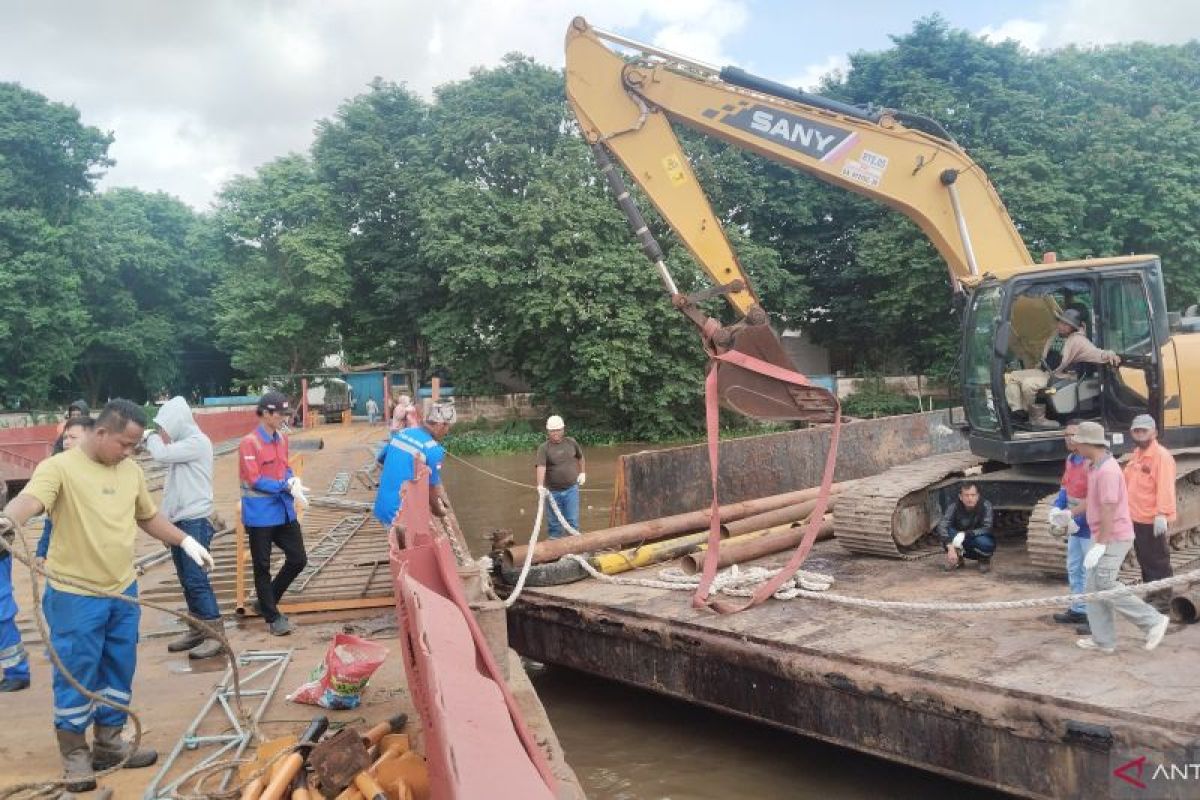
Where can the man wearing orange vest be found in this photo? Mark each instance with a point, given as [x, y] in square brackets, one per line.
[269, 495]
[1150, 476]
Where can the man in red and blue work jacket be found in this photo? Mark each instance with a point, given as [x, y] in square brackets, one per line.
[269, 495]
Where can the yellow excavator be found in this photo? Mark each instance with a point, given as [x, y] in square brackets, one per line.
[626, 103]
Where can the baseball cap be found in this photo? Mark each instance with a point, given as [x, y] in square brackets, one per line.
[272, 401]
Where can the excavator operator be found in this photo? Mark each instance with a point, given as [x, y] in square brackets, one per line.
[1022, 386]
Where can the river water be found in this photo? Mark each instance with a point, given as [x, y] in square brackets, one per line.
[628, 744]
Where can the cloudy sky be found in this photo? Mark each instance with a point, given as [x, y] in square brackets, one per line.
[196, 92]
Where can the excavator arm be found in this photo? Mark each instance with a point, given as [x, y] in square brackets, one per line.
[626, 106]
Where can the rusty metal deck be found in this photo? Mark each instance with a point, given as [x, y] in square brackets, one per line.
[1004, 700]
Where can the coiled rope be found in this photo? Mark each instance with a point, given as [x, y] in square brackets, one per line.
[533, 536]
[741, 582]
[53, 788]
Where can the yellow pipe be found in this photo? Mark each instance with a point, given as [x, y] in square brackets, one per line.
[647, 554]
[656, 552]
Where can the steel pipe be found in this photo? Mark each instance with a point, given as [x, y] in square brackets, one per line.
[653, 529]
[749, 547]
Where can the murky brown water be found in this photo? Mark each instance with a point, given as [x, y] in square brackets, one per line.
[627, 744]
[483, 502]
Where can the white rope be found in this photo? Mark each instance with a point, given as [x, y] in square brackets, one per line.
[735, 581]
[813, 586]
[566, 526]
[537, 527]
[533, 535]
[508, 480]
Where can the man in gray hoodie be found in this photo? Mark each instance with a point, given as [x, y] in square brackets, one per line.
[188, 502]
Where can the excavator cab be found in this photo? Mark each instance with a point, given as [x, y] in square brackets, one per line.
[1010, 333]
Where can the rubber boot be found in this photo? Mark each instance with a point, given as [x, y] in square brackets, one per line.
[77, 761]
[110, 748]
[189, 639]
[209, 647]
[1038, 421]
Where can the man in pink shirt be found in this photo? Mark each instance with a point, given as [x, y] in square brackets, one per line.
[1112, 539]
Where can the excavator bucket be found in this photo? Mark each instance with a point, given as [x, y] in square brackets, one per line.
[764, 396]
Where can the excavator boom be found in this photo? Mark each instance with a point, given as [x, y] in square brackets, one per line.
[625, 108]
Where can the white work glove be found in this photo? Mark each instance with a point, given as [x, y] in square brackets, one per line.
[297, 490]
[1072, 526]
[582, 479]
[1059, 517]
[197, 553]
[1160, 525]
[957, 541]
[1093, 556]
[543, 492]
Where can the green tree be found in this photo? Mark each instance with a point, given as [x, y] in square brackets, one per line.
[49, 160]
[146, 287]
[374, 156]
[542, 277]
[284, 280]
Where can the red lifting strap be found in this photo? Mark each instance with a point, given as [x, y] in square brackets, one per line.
[712, 555]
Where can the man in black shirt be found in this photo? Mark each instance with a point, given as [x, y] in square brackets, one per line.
[559, 475]
[966, 529]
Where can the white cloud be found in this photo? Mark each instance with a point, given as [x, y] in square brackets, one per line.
[1028, 33]
[1110, 21]
[698, 29]
[197, 92]
[1100, 22]
[810, 79]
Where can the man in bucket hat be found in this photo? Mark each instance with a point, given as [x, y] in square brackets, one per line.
[1021, 386]
[1112, 539]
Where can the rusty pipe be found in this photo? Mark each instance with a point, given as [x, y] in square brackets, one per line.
[752, 547]
[771, 519]
[654, 529]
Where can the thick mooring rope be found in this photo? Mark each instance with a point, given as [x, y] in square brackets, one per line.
[741, 583]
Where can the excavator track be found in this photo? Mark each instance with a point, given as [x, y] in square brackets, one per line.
[1048, 552]
[887, 514]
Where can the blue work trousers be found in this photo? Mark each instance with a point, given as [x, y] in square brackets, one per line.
[568, 503]
[13, 660]
[979, 546]
[1077, 547]
[96, 638]
[197, 591]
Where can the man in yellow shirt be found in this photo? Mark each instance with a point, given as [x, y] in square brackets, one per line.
[97, 499]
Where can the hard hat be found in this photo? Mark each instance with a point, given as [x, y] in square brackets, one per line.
[555, 423]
